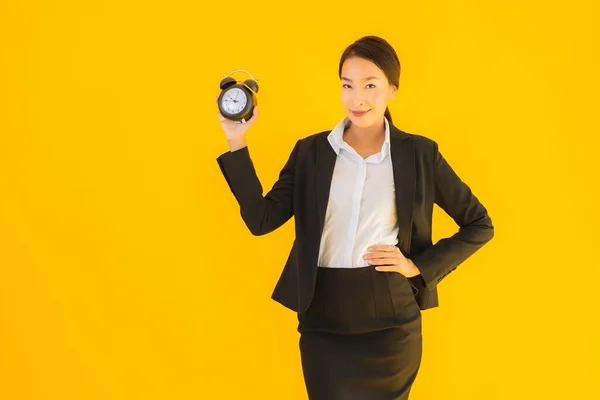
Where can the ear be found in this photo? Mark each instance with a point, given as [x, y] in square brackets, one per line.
[394, 90]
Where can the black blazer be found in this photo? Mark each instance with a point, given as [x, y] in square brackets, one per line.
[422, 177]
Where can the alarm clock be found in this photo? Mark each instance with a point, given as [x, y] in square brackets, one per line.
[237, 99]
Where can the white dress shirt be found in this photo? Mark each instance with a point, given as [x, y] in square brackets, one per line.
[362, 209]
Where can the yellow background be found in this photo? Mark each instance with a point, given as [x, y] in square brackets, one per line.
[126, 271]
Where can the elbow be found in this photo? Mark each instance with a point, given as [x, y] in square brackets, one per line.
[254, 225]
[489, 233]
[254, 221]
[256, 228]
[256, 231]
[487, 229]
[484, 229]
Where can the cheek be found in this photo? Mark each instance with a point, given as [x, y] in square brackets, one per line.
[377, 98]
[346, 97]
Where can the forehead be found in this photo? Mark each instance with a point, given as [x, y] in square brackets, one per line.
[357, 68]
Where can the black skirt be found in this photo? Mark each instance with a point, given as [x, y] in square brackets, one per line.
[360, 339]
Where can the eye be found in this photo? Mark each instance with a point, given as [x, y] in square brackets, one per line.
[344, 86]
[370, 84]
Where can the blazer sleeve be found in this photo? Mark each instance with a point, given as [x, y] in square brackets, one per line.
[475, 226]
[261, 214]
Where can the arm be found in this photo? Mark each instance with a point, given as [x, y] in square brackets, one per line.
[475, 226]
[262, 215]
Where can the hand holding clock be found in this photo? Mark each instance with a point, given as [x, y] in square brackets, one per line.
[235, 131]
[237, 108]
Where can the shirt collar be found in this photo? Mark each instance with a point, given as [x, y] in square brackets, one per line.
[337, 142]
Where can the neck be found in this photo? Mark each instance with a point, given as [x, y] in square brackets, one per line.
[373, 135]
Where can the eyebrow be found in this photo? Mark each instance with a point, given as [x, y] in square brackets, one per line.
[366, 79]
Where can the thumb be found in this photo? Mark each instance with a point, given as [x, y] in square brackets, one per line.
[255, 114]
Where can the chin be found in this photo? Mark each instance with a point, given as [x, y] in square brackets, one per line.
[360, 122]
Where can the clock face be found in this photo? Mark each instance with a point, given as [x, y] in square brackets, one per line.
[234, 101]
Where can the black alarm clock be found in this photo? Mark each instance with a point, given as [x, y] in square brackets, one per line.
[237, 99]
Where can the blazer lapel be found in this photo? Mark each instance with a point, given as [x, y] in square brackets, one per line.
[403, 163]
[326, 157]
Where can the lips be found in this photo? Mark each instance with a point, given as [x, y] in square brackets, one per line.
[359, 113]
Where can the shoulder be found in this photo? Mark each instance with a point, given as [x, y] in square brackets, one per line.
[420, 141]
[309, 143]
[312, 138]
[424, 146]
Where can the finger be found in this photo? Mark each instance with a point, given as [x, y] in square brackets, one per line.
[383, 261]
[256, 112]
[386, 269]
[382, 247]
[252, 119]
[378, 254]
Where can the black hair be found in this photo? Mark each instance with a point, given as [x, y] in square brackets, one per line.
[379, 52]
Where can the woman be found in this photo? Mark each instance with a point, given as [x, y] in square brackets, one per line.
[362, 266]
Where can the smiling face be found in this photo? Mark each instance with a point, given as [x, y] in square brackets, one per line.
[365, 88]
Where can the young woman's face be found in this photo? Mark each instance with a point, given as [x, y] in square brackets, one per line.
[365, 88]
